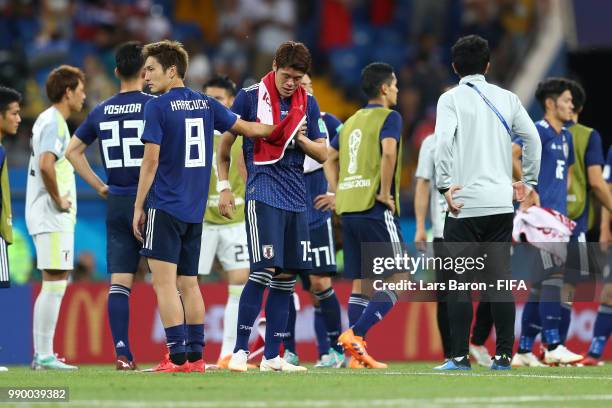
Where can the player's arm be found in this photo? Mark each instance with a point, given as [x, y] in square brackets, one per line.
[148, 168]
[327, 201]
[421, 202]
[227, 204]
[316, 149]
[517, 172]
[524, 128]
[75, 153]
[387, 171]
[251, 129]
[599, 186]
[605, 235]
[46, 163]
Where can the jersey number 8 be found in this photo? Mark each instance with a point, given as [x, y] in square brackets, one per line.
[194, 137]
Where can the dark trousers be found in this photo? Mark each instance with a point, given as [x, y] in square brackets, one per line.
[493, 234]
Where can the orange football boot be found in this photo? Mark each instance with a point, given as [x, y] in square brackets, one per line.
[356, 346]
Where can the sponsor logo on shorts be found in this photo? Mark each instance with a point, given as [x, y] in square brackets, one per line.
[268, 251]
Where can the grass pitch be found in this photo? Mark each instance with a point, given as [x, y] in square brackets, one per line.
[402, 385]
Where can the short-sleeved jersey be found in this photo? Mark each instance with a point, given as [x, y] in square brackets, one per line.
[427, 171]
[391, 128]
[118, 123]
[607, 173]
[316, 183]
[280, 185]
[557, 156]
[50, 134]
[182, 122]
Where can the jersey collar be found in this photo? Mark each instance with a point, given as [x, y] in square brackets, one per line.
[472, 78]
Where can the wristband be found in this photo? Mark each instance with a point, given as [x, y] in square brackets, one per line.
[223, 185]
[329, 193]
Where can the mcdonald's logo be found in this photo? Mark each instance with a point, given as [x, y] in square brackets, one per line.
[95, 311]
[421, 317]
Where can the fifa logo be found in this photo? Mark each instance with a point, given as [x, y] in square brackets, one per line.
[354, 142]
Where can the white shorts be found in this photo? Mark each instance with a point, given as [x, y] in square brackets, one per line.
[54, 250]
[228, 243]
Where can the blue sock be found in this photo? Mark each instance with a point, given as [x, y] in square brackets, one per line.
[176, 341]
[530, 322]
[382, 302]
[566, 319]
[320, 332]
[119, 319]
[289, 339]
[195, 341]
[277, 314]
[331, 313]
[601, 331]
[356, 305]
[550, 314]
[250, 306]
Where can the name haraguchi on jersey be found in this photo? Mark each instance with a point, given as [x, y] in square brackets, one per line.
[182, 122]
[118, 124]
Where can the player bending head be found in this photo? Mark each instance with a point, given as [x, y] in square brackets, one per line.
[165, 65]
[129, 61]
[66, 85]
[291, 62]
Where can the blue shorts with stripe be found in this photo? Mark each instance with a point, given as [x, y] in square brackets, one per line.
[5, 278]
[122, 247]
[357, 230]
[277, 238]
[168, 239]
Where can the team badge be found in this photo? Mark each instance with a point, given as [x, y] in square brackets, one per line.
[268, 251]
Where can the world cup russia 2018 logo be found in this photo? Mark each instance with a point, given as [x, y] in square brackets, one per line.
[354, 143]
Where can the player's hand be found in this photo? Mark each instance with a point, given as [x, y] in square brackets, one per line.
[530, 200]
[227, 205]
[64, 204]
[103, 191]
[138, 222]
[325, 202]
[520, 191]
[453, 206]
[387, 200]
[420, 239]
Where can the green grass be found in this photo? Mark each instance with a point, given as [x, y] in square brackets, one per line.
[402, 385]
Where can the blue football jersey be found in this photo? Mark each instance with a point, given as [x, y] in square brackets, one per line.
[118, 123]
[182, 122]
[280, 185]
[557, 156]
[316, 183]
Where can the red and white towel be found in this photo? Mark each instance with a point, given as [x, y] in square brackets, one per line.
[272, 149]
[545, 229]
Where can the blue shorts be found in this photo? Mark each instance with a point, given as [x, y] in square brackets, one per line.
[168, 239]
[322, 253]
[358, 230]
[277, 238]
[122, 247]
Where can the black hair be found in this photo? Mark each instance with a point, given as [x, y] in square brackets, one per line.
[373, 76]
[551, 88]
[129, 59]
[223, 82]
[578, 95]
[470, 55]
[8, 96]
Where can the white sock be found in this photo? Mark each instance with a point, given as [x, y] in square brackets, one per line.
[46, 312]
[230, 319]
